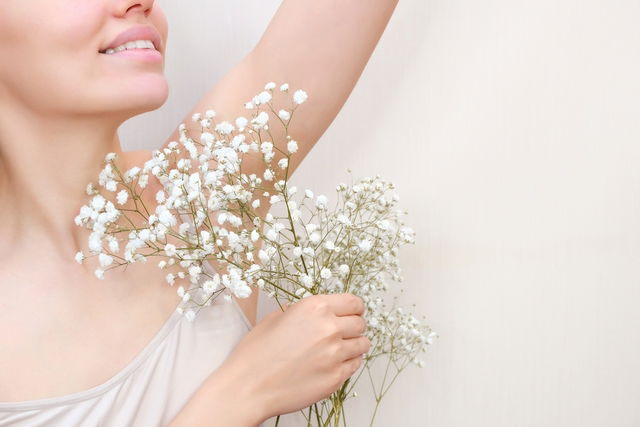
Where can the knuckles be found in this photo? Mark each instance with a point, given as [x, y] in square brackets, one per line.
[363, 324]
[317, 303]
[340, 375]
[350, 368]
[331, 330]
[354, 302]
[334, 351]
[358, 304]
[366, 344]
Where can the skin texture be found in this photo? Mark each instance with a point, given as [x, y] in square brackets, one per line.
[61, 103]
[326, 331]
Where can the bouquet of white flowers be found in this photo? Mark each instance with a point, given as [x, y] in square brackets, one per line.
[206, 211]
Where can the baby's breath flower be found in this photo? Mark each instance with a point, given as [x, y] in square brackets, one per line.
[111, 185]
[241, 123]
[105, 260]
[143, 180]
[170, 278]
[325, 273]
[292, 146]
[182, 229]
[364, 245]
[321, 202]
[343, 219]
[170, 249]
[207, 138]
[297, 251]
[343, 269]
[95, 242]
[165, 217]
[314, 238]
[262, 98]
[210, 205]
[299, 96]
[98, 202]
[224, 128]
[306, 280]
[122, 197]
[284, 115]
[266, 147]
[271, 235]
[260, 121]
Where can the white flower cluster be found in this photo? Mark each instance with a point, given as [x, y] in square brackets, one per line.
[201, 210]
[352, 247]
[209, 209]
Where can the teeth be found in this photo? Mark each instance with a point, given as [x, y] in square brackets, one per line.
[137, 44]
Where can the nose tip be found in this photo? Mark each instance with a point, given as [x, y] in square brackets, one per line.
[139, 6]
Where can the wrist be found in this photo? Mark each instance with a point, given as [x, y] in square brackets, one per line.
[223, 399]
[239, 394]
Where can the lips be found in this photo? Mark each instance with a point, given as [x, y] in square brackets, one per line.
[141, 32]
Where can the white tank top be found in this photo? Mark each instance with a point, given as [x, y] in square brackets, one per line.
[155, 385]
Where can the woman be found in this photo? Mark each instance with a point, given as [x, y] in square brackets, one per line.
[81, 351]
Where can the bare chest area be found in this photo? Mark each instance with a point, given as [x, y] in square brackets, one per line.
[60, 339]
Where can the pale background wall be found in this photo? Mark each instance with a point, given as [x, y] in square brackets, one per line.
[511, 131]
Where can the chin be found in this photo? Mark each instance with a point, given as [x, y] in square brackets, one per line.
[140, 98]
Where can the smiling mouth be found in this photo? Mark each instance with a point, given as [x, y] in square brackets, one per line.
[132, 45]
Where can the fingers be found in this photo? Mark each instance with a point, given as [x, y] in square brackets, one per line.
[355, 347]
[344, 304]
[350, 366]
[351, 326]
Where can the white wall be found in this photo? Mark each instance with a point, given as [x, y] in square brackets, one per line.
[511, 131]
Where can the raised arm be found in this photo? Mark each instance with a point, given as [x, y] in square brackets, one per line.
[321, 46]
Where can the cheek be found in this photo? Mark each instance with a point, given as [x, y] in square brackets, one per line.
[79, 25]
[49, 60]
[46, 54]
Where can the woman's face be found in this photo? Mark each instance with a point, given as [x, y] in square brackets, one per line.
[50, 60]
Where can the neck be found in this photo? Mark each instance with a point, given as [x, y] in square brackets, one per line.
[46, 163]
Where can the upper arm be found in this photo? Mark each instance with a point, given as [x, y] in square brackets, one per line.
[320, 47]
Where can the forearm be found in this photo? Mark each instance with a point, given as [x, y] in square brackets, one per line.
[221, 401]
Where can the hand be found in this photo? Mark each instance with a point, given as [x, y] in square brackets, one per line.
[296, 357]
